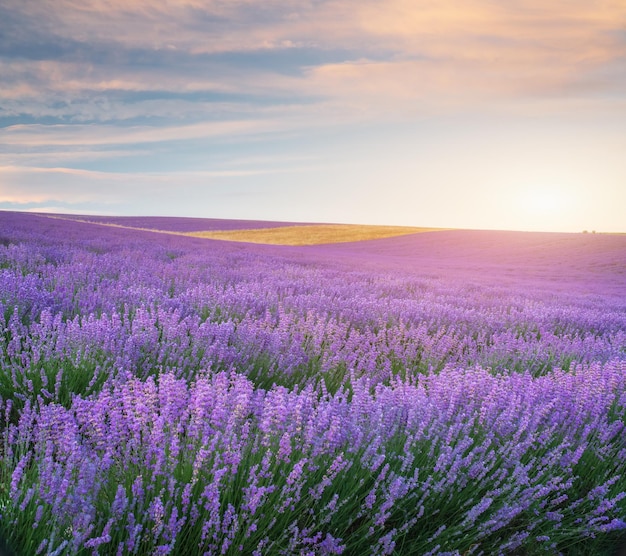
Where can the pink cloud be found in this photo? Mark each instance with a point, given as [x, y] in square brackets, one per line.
[407, 52]
[34, 135]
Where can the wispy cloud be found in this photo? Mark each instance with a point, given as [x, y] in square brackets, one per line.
[37, 135]
[19, 184]
[421, 49]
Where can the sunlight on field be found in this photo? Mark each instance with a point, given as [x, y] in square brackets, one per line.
[305, 234]
[316, 234]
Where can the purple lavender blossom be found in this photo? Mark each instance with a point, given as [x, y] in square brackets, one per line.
[255, 399]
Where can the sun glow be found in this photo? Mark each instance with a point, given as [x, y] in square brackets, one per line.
[543, 201]
[544, 208]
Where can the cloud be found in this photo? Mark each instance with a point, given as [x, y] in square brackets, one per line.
[39, 185]
[73, 93]
[192, 69]
[480, 51]
[33, 158]
[61, 208]
[36, 135]
[177, 192]
[238, 46]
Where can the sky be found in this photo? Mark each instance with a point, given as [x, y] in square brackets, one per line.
[489, 114]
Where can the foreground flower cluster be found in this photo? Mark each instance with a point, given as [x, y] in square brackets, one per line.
[167, 395]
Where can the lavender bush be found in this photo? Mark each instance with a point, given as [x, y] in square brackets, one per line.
[170, 395]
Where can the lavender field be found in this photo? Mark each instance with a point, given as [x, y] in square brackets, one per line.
[454, 392]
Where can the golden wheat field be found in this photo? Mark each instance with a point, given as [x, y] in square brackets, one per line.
[302, 234]
[314, 234]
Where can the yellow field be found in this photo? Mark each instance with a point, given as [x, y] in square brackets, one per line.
[315, 234]
[307, 234]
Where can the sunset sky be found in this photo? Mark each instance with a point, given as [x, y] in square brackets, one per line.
[495, 114]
